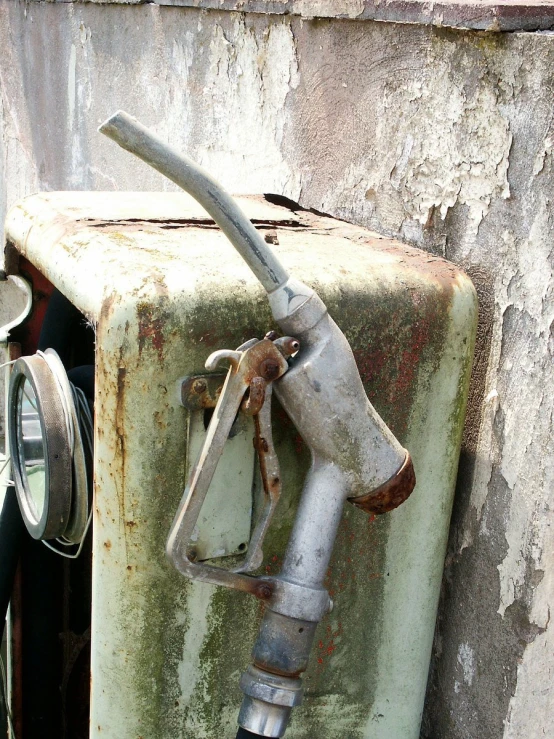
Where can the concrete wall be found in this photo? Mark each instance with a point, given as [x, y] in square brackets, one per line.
[443, 138]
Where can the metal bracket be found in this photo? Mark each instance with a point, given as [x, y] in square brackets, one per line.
[198, 392]
[26, 287]
[247, 387]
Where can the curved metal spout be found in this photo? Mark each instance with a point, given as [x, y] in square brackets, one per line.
[139, 140]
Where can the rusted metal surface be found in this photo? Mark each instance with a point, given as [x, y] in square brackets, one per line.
[201, 391]
[407, 320]
[391, 494]
[253, 403]
[479, 15]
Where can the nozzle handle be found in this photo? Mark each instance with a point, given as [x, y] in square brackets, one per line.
[139, 140]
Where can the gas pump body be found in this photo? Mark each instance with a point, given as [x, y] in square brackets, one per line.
[163, 288]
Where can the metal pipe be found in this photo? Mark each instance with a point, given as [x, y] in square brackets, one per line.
[139, 140]
[317, 520]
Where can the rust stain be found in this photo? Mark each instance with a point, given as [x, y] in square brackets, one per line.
[273, 567]
[410, 360]
[262, 590]
[327, 646]
[108, 544]
[106, 309]
[255, 396]
[390, 494]
[436, 268]
[199, 392]
[370, 364]
[120, 411]
[150, 328]
[429, 283]
[120, 432]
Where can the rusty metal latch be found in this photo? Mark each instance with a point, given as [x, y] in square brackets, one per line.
[200, 392]
[254, 366]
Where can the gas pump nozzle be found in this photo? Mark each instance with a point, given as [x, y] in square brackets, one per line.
[354, 455]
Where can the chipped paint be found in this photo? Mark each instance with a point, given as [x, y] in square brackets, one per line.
[466, 659]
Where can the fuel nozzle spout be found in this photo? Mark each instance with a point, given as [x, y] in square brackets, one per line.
[299, 312]
[139, 140]
[355, 456]
[286, 294]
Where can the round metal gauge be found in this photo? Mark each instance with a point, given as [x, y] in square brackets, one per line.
[40, 447]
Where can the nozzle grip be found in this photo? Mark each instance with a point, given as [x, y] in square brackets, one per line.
[324, 396]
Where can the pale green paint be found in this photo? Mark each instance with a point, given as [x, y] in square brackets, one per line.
[167, 653]
[225, 518]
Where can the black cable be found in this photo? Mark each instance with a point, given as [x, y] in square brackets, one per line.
[83, 378]
[66, 330]
[12, 529]
[245, 734]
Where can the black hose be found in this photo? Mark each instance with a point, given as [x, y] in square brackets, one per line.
[245, 734]
[12, 529]
[66, 330]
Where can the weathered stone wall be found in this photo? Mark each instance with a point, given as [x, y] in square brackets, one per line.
[444, 138]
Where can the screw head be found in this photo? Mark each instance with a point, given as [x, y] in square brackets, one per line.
[199, 387]
[264, 591]
[269, 369]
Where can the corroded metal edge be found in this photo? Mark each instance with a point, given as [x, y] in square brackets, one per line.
[391, 493]
[478, 15]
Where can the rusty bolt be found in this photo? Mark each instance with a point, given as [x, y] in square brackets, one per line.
[199, 387]
[269, 369]
[263, 591]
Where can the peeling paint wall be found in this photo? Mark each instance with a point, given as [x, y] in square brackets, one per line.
[443, 138]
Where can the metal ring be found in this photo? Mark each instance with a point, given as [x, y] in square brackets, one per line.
[47, 517]
[78, 517]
